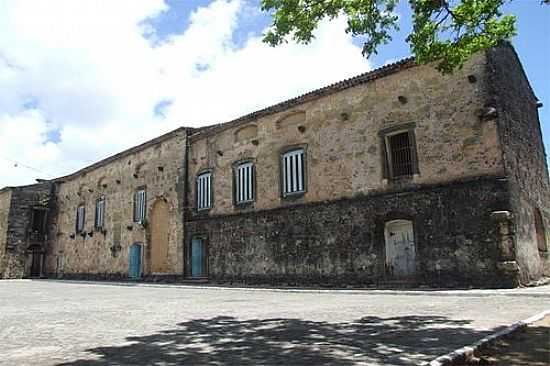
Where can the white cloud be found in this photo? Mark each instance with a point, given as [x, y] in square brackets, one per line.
[94, 76]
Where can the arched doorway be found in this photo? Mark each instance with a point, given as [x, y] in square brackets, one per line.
[400, 249]
[159, 237]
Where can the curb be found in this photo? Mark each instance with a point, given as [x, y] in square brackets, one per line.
[466, 353]
[357, 291]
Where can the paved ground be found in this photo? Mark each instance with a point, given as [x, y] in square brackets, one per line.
[72, 323]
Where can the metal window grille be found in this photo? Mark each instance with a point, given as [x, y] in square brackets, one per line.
[245, 183]
[204, 191]
[100, 213]
[80, 218]
[140, 205]
[401, 155]
[293, 172]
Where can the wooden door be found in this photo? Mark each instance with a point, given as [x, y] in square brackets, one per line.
[134, 261]
[159, 237]
[36, 263]
[198, 258]
[400, 249]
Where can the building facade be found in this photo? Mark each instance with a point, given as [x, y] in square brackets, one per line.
[399, 175]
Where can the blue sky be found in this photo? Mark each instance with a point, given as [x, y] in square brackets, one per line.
[82, 80]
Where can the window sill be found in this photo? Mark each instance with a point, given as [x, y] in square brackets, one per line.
[202, 211]
[293, 196]
[244, 205]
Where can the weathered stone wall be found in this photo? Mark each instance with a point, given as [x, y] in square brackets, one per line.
[524, 157]
[342, 242]
[343, 145]
[5, 203]
[159, 166]
[23, 200]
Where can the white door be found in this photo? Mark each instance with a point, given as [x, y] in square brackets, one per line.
[400, 249]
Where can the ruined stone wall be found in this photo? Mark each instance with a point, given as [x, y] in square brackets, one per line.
[23, 200]
[160, 168]
[341, 243]
[524, 157]
[5, 203]
[340, 133]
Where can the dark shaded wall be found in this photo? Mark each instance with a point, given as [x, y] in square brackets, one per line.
[342, 242]
[23, 200]
[524, 157]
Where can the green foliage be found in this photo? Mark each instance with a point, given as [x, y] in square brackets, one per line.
[448, 31]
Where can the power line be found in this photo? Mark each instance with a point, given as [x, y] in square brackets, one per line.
[18, 164]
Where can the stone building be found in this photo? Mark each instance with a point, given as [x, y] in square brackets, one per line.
[399, 175]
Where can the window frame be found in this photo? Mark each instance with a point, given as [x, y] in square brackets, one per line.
[387, 164]
[201, 173]
[80, 218]
[236, 184]
[99, 225]
[143, 211]
[189, 253]
[282, 174]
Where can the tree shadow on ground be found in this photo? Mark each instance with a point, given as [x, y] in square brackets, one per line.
[528, 347]
[225, 340]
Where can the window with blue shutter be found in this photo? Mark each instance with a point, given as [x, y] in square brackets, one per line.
[140, 206]
[293, 179]
[100, 213]
[204, 191]
[80, 218]
[244, 183]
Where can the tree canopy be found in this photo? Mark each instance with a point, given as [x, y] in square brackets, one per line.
[447, 31]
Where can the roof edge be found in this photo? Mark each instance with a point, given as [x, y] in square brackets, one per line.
[309, 96]
[122, 154]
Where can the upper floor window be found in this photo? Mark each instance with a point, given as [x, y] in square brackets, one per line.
[80, 218]
[100, 213]
[400, 157]
[204, 191]
[140, 205]
[293, 179]
[244, 183]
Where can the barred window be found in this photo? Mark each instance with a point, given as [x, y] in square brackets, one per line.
[204, 191]
[244, 183]
[140, 206]
[80, 218]
[100, 213]
[293, 172]
[400, 154]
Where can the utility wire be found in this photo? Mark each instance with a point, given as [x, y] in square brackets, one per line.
[17, 164]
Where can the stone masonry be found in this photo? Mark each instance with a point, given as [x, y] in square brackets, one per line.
[472, 210]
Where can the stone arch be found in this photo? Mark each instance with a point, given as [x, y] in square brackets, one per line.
[160, 230]
[83, 189]
[540, 231]
[102, 182]
[140, 167]
[246, 133]
[291, 119]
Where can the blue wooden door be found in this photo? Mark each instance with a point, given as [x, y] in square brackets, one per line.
[197, 257]
[134, 270]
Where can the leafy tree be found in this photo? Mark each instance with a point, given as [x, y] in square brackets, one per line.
[448, 31]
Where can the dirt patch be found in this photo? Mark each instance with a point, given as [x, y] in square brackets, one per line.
[527, 347]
